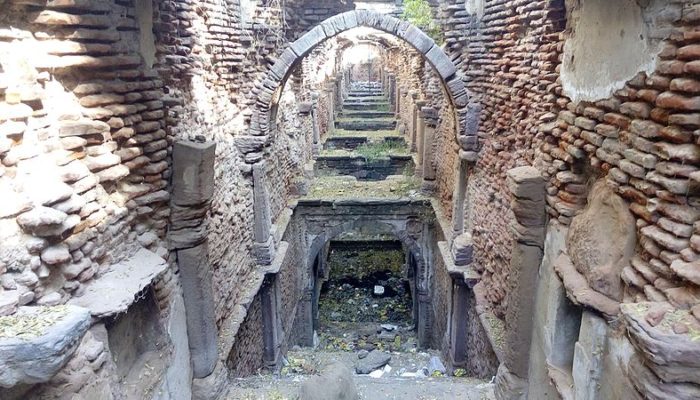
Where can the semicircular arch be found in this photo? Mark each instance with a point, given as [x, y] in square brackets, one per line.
[273, 82]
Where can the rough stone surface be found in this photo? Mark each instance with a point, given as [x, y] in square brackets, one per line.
[335, 383]
[601, 240]
[35, 359]
[374, 360]
[118, 287]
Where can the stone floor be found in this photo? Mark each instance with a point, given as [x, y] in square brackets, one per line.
[391, 386]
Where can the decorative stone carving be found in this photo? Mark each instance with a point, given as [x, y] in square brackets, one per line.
[601, 240]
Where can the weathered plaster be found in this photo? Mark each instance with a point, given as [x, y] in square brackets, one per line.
[609, 44]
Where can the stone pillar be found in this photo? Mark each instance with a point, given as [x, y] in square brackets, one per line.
[528, 204]
[331, 109]
[271, 323]
[428, 136]
[414, 118]
[420, 133]
[459, 197]
[424, 323]
[391, 92]
[193, 188]
[458, 325]
[337, 95]
[314, 124]
[264, 246]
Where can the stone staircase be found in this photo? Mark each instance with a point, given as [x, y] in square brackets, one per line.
[364, 158]
[365, 142]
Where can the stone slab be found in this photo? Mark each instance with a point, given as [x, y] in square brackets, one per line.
[117, 288]
[198, 292]
[193, 172]
[36, 359]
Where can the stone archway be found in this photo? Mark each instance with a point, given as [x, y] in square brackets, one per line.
[271, 86]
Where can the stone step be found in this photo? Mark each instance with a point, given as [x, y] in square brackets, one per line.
[353, 105]
[353, 142]
[362, 168]
[367, 114]
[365, 124]
[366, 93]
[367, 99]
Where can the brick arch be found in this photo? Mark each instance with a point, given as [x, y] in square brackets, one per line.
[264, 113]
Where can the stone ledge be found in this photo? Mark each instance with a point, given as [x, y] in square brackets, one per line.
[45, 339]
[117, 288]
[465, 272]
[578, 291]
[667, 340]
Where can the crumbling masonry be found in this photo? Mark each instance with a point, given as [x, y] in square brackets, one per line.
[172, 174]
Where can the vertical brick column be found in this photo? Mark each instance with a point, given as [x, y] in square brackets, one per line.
[528, 204]
[397, 101]
[193, 188]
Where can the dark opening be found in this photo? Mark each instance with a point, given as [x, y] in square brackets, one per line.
[366, 299]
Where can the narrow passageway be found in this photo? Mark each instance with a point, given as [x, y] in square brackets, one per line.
[349, 199]
[366, 285]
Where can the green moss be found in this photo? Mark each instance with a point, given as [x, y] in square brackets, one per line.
[374, 151]
[371, 151]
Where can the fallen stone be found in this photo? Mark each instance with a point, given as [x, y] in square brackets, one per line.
[9, 300]
[37, 355]
[578, 290]
[335, 383]
[374, 360]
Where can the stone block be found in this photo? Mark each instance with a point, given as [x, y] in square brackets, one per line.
[442, 64]
[284, 64]
[335, 383]
[526, 183]
[39, 353]
[198, 292]
[422, 42]
[589, 353]
[193, 172]
[308, 41]
[119, 286]
[463, 249]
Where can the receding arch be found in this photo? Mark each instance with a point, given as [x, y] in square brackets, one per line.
[273, 82]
